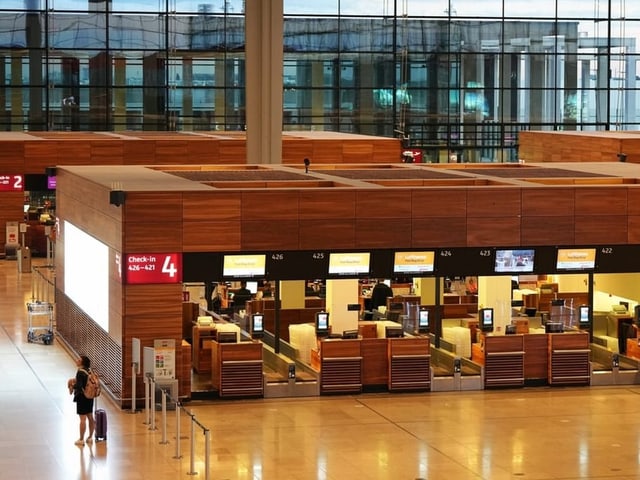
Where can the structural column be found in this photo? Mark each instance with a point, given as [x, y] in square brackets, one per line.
[264, 52]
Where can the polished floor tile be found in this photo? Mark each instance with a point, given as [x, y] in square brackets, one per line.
[534, 433]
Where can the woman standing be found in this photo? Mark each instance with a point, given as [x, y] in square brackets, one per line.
[84, 405]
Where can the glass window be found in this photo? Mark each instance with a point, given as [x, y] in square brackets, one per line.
[538, 9]
[301, 7]
[474, 8]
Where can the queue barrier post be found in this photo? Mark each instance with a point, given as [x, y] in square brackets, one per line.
[152, 423]
[178, 453]
[164, 440]
[192, 459]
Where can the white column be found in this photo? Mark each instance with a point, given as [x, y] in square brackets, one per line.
[264, 69]
[341, 293]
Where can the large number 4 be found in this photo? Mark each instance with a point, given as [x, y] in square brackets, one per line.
[169, 267]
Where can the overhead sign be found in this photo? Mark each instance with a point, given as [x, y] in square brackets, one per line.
[144, 268]
[11, 183]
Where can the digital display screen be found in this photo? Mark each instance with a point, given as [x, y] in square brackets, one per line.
[413, 262]
[257, 323]
[487, 317]
[322, 321]
[584, 314]
[349, 263]
[237, 266]
[51, 182]
[510, 261]
[423, 319]
[576, 259]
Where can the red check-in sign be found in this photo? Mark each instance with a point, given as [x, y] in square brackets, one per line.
[146, 268]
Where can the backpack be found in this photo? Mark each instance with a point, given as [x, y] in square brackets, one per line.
[92, 388]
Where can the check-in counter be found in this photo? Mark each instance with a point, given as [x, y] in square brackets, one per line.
[409, 363]
[201, 347]
[502, 357]
[236, 369]
[340, 365]
[569, 358]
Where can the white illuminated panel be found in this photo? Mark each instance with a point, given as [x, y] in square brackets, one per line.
[86, 273]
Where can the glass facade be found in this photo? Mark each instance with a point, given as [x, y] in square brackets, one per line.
[450, 77]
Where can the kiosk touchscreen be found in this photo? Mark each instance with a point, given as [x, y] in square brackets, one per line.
[485, 317]
[583, 318]
[257, 325]
[423, 321]
[322, 324]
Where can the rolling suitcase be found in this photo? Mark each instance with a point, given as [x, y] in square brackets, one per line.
[101, 425]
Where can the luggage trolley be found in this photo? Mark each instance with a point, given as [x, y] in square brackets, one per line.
[40, 316]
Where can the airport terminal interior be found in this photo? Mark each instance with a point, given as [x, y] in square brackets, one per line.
[538, 433]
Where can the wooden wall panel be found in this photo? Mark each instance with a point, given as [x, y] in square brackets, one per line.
[490, 231]
[106, 152]
[329, 151]
[153, 206]
[387, 151]
[72, 152]
[39, 154]
[139, 152]
[203, 151]
[383, 204]
[383, 233]
[552, 230]
[145, 301]
[319, 204]
[233, 151]
[496, 201]
[607, 229]
[631, 147]
[438, 231]
[211, 236]
[439, 202]
[276, 206]
[295, 150]
[589, 201]
[154, 235]
[265, 234]
[204, 206]
[633, 201]
[327, 234]
[171, 151]
[12, 157]
[633, 229]
[548, 202]
[357, 151]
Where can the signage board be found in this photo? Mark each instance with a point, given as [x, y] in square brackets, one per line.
[11, 183]
[146, 268]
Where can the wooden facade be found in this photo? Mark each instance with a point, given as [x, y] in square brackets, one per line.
[574, 146]
[365, 206]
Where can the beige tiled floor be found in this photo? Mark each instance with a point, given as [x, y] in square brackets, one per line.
[537, 433]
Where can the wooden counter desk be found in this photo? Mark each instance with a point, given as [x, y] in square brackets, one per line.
[236, 368]
[569, 355]
[201, 347]
[409, 363]
[502, 357]
[340, 365]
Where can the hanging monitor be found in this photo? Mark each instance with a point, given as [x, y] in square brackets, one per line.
[349, 264]
[244, 266]
[485, 318]
[576, 259]
[514, 261]
[413, 263]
